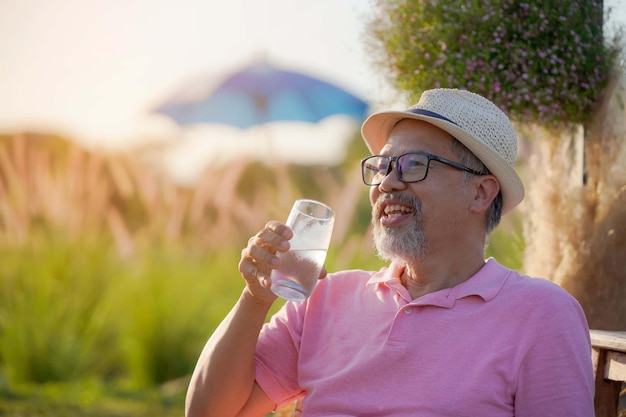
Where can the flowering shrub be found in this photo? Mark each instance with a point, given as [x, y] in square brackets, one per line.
[540, 61]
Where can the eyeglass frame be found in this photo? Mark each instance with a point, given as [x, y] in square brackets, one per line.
[393, 161]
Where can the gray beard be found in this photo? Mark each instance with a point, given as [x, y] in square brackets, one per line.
[401, 244]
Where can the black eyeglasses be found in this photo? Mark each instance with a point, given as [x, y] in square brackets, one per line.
[410, 167]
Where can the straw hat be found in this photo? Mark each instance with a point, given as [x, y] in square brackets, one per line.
[473, 120]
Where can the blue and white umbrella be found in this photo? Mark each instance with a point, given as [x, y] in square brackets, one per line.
[260, 94]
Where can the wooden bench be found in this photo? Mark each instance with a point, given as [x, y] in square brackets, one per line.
[609, 364]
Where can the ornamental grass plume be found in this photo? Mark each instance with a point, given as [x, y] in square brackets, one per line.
[50, 185]
[575, 232]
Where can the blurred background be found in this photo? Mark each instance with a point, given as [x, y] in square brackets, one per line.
[122, 216]
[95, 70]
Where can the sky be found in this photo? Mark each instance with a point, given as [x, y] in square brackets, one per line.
[95, 67]
[94, 70]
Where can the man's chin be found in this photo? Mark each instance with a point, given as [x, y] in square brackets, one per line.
[395, 248]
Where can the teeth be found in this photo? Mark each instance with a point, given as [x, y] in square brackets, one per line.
[397, 209]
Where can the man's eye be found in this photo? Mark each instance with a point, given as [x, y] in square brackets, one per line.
[380, 167]
[414, 164]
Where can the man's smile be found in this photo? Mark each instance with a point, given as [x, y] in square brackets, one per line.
[395, 210]
[392, 213]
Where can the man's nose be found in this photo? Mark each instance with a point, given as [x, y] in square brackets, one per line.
[391, 181]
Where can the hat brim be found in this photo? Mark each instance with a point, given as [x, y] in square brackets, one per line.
[376, 129]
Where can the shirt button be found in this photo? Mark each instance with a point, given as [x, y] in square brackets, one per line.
[408, 310]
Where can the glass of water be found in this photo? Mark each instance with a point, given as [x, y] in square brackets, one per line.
[300, 267]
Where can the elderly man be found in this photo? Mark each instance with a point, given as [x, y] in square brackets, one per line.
[441, 331]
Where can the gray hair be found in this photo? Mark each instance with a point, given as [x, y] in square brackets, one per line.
[470, 160]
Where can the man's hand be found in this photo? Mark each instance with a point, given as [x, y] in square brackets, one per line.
[259, 258]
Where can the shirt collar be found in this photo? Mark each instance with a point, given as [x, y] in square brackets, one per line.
[486, 284]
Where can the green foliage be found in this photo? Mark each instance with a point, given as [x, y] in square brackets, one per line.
[506, 243]
[90, 399]
[254, 176]
[170, 302]
[355, 151]
[52, 320]
[540, 61]
[74, 310]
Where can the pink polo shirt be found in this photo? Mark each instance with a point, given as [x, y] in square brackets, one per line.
[498, 344]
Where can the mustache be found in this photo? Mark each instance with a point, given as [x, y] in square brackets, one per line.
[396, 197]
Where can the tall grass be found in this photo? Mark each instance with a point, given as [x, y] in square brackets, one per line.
[53, 324]
[576, 231]
[169, 305]
[113, 273]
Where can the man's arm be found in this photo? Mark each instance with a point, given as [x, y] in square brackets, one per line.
[223, 382]
[556, 378]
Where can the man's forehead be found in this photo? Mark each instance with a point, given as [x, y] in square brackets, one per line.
[409, 134]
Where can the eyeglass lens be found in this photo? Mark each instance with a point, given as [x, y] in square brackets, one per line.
[409, 168]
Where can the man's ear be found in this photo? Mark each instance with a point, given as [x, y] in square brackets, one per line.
[487, 188]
